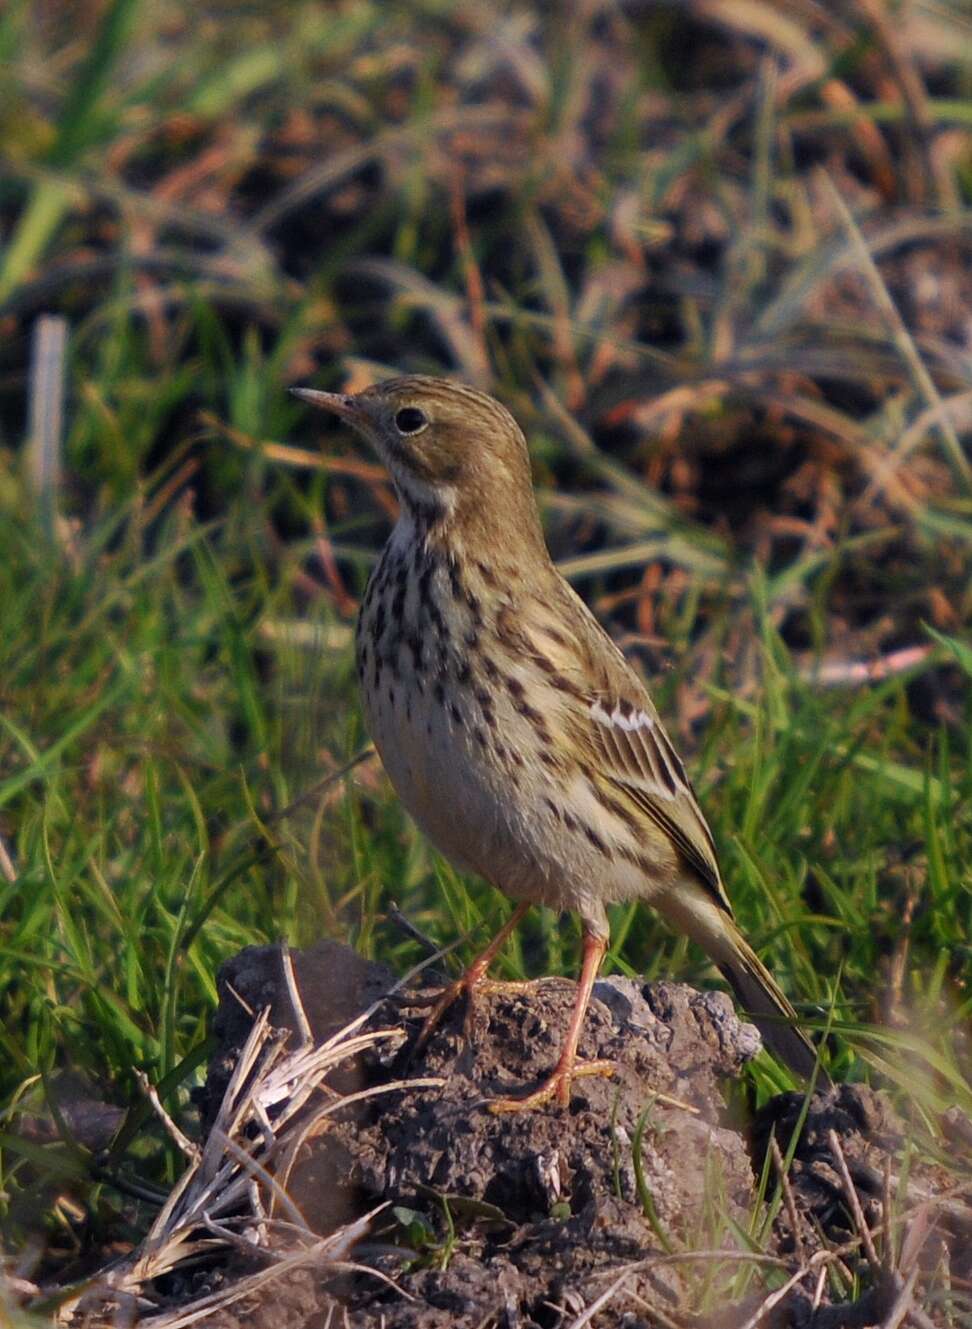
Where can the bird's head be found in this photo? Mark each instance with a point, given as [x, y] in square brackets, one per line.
[449, 449]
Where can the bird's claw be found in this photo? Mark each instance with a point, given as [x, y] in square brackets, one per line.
[408, 998]
[555, 1088]
[469, 984]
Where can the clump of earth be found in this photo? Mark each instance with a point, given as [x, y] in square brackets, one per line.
[633, 1207]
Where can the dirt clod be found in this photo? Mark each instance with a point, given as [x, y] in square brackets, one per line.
[527, 1219]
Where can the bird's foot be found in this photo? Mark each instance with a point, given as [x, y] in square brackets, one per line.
[556, 1087]
[508, 987]
[411, 1000]
[470, 983]
[440, 1004]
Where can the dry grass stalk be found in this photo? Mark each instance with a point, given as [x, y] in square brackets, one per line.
[821, 1258]
[327, 1250]
[46, 434]
[7, 869]
[903, 341]
[178, 1138]
[850, 1191]
[788, 1200]
[902, 1303]
[230, 1196]
[600, 1302]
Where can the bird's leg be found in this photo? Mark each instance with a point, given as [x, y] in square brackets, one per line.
[467, 981]
[557, 1084]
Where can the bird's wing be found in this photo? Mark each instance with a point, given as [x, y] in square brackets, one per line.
[633, 752]
[614, 725]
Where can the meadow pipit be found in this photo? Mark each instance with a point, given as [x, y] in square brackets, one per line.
[512, 727]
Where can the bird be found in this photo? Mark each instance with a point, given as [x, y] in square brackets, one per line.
[511, 726]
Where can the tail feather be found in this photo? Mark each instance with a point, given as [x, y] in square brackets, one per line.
[691, 908]
[759, 994]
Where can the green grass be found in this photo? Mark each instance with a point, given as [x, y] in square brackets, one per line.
[152, 731]
[746, 465]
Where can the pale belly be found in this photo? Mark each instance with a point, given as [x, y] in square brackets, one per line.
[460, 802]
[478, 767]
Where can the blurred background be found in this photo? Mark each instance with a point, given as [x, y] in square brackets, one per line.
[714, 255]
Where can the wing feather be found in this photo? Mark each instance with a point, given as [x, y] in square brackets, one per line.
[636, 756]
[611, 720]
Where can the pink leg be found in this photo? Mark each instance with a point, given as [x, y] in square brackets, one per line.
[557, 1084]
[473, 976]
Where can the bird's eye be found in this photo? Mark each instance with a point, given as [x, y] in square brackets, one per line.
[410, 420]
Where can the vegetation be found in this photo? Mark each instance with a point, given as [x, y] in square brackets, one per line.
[714, 257]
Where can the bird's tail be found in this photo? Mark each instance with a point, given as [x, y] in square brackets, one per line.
[759, 994]
[691, 908]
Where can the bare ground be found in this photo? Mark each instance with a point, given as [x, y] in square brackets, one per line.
[526, 1220]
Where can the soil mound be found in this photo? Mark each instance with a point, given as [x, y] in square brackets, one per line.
[642, 1204]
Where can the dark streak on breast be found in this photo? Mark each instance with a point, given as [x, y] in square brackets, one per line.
[596, 840]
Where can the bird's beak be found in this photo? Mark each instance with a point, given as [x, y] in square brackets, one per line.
[338, 403]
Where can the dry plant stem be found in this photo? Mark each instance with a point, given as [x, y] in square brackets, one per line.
[47, 415]
[181, 1141]
[818, 1289]
[329, 1250]
[788, 1200]
[902, 1303]
[258, 1172]
[164, 495]
[340, 165]
[363, 754]
[919, 1319]
[655, 1313]
[258, 1210]
[236, 1169]
[7, 869]
[670, 1101]
[404, 924]
[957, 408]
[915, 1236]
[286, 1082]
[887, 1234]
[837, 673]
[344, 603]
[475, 290]
[864, 1232]
[290, 455]
[938, 180]
[902, 338]
[600, 1302]
[245, 1245]
[774, 1298]
[700, 1257]
[296, 1002]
